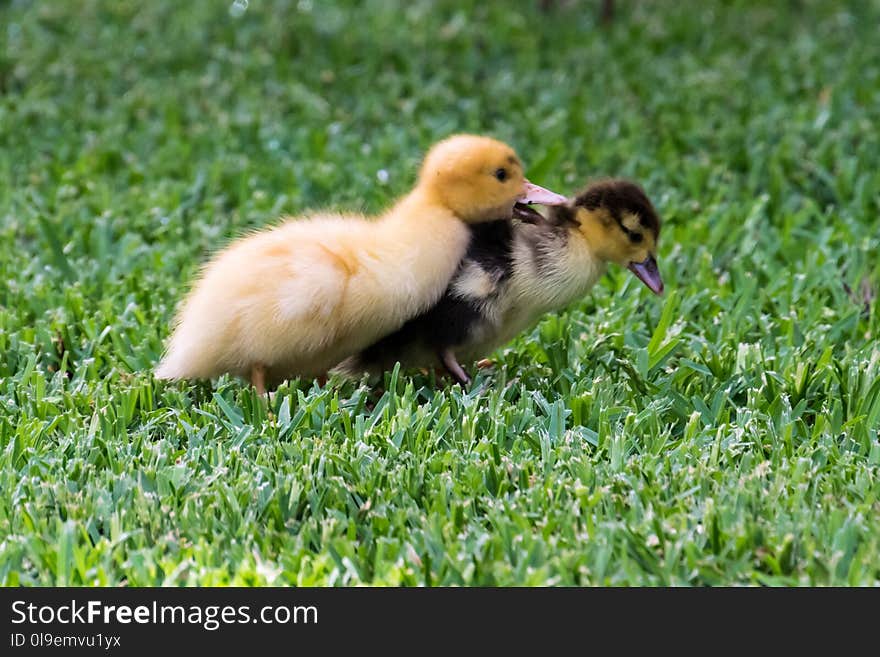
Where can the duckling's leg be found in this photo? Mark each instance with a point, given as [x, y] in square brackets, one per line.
[258, 379]
[447, 357]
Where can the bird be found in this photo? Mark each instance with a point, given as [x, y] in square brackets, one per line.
[294, 299]
[515, 271]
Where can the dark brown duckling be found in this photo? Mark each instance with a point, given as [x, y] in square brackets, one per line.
[516, 271]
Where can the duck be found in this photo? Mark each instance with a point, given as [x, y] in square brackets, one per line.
[516, 270]
[294, 299]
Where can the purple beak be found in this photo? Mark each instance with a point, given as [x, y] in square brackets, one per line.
[648, 274]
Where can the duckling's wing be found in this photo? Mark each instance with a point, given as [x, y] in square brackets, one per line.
[313, 288]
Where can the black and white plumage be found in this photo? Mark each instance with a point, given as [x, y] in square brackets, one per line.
[514, 271]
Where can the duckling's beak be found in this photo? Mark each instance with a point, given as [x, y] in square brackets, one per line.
[535, 194]
[648, 274]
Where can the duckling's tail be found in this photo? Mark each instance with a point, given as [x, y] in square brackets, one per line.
[182, 360]
[169, 368]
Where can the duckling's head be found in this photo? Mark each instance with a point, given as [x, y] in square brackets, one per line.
[620, 225]
[479, 179]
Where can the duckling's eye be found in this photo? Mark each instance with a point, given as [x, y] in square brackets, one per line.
[635, 237]
[501, 174]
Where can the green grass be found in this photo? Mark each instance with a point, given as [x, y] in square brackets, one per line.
[726, 433]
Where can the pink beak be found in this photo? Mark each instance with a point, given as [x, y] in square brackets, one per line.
[537, 194]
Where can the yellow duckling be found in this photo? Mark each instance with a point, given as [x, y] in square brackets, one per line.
[297, 298]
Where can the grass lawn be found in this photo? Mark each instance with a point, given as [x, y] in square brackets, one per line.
[726, 433]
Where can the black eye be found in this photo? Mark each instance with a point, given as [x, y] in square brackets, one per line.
[635, 237]
[501, 174]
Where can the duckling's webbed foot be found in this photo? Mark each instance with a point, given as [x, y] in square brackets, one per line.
[447, 357]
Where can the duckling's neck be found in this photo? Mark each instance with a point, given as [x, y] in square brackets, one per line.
[426, 241]
[591, 232]
[555, 265]
[407, 208]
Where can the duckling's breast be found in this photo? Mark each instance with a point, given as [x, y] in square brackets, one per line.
[550, 268]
